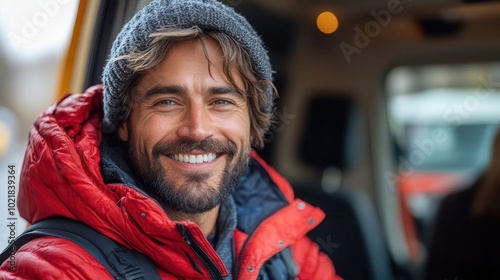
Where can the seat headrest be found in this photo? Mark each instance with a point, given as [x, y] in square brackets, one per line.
[332, 132]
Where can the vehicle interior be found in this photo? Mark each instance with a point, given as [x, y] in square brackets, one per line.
[386, 107]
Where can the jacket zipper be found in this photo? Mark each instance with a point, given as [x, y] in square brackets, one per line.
[213, 270]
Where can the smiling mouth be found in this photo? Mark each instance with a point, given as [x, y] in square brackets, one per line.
[190, 158]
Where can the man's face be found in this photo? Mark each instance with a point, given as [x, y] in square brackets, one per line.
[188, 132]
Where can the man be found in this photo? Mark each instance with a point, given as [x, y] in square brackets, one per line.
[186, 94]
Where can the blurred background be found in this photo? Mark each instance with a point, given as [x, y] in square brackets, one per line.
[34, 36]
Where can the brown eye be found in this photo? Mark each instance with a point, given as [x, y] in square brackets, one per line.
[222, 102]
[165, 102]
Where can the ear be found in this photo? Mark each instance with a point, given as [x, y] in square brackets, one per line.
[123, 131]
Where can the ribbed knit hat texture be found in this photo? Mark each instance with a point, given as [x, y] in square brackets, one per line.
[134, 37]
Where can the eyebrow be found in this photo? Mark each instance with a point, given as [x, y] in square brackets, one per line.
[172, 89]
[226, 90]
[162, 90]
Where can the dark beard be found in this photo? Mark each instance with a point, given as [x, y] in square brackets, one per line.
[195, 196]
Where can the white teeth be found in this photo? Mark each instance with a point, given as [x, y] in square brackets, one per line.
[194, 158]
[199, 159]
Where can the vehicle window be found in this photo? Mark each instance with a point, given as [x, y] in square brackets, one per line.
[34, 36]
[443, 119]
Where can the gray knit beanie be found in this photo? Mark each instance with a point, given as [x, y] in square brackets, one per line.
[134, 37]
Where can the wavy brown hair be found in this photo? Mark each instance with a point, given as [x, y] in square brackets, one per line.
[235, 57]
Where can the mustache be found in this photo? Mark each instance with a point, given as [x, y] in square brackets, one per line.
[185, 146]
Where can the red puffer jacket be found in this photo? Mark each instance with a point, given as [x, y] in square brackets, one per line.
[61, 177]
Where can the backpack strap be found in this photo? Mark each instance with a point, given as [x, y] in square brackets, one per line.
[121, 262]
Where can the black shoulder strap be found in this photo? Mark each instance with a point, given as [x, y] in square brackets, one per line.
[121, 262]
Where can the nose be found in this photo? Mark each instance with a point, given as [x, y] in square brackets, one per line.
[196, 124]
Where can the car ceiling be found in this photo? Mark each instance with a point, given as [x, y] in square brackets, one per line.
[277, 20]
[353, 8]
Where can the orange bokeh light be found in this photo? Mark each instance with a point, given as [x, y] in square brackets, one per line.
[327, 22]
